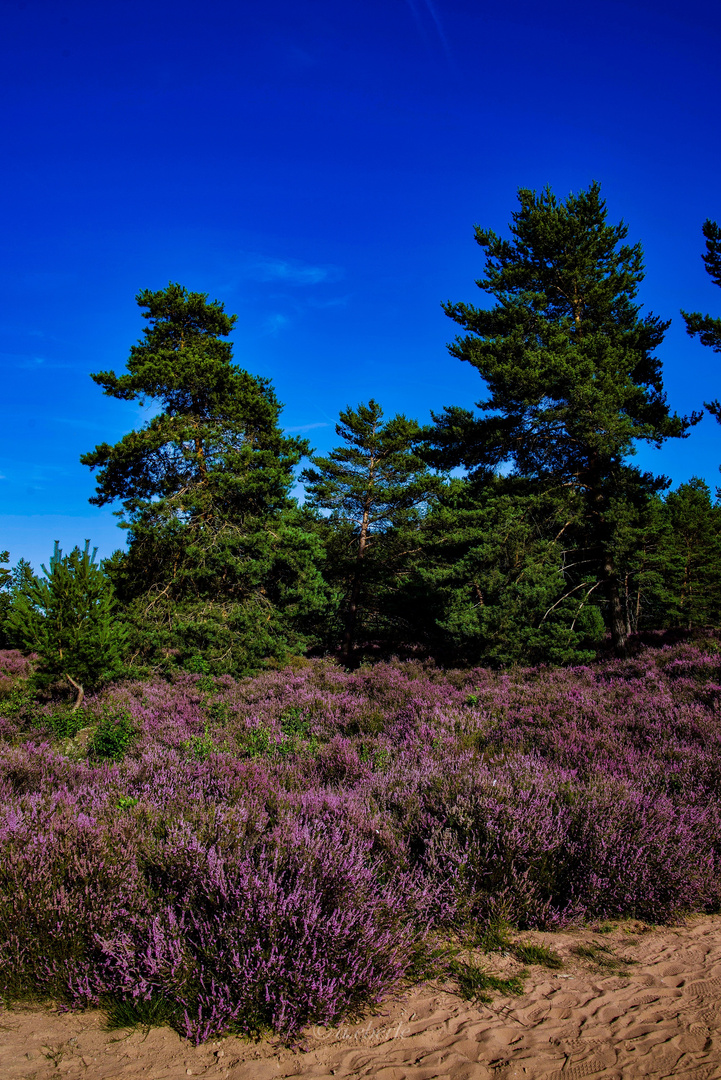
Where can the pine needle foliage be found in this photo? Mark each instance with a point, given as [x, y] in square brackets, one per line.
[69, 617]
[375, 485]
[570, 366]
[220, 563]
[706, 327]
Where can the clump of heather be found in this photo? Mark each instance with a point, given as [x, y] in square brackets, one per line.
[14, 665]
[238, 917]
[271, 852]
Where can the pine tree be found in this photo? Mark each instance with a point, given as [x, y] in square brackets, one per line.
[374, 485]
[5, 578]
[69, 617]
[706, 327]
[14, 581]
[5, 575]
[489, 583]
[570, 367]
[219, 560]
[692, 557]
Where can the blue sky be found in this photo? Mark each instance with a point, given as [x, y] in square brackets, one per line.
[319, 167]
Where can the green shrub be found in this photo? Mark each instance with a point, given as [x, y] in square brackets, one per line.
[200, 747]
[112, 736]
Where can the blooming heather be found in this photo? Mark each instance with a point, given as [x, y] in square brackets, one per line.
[279, 850]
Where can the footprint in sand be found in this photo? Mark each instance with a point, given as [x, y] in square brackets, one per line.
[705, 988]
[576, 1072]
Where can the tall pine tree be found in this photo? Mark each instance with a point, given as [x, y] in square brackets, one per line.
[570, 366]
[219, 561]
[374, 485]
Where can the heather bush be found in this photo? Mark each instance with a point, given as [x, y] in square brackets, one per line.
[265, 853]
[235, 923]
[14, 665]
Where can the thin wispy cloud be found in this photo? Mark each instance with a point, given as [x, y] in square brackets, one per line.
[291, 272]
[300, 429]
[21, 360]
[275, 323]
[439, 26]
[435, 19]
[45, 471]
[338, 301]
[27, 362]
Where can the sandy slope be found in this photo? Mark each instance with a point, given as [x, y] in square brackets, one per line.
[657, 1017]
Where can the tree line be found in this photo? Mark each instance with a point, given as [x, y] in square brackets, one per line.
[518, 531]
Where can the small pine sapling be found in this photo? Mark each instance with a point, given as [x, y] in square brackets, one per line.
[69, 618]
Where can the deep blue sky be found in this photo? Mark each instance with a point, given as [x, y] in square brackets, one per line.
[319, 167]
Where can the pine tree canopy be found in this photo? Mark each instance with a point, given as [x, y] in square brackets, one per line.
[565, 353]
[69, 617]
[215, 449]
[574, 383]
[374, 483]
[219, 562]
[707, 327]
[376, 475]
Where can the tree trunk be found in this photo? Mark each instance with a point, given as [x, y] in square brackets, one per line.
[79, 690]
[638, 606]
[619, 632]
[346, 651]
[627, 606]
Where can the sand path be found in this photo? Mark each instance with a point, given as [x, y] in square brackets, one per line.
[659, 1016]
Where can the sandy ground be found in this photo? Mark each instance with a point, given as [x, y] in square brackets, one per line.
[656, 1015]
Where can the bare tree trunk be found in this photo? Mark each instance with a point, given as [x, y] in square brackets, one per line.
[638, 607]
[619, 632]
[80, 693]
[346, 651]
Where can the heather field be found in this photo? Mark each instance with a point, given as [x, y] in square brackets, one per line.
[261, 854]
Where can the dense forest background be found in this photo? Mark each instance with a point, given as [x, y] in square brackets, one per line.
[518, 532]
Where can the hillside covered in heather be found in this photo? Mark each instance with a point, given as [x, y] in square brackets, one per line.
[263, 853]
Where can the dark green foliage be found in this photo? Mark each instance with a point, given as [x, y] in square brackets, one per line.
[707, 327]
[566, 356]
[293, 723]
[112, 736]
[221, 565]
[692, 556]
[491, 584]
[5, 575]
[197, 665]
[14, 582]
[69, 617]
[200, 747]
[677, 579]
[375, 485]
[5, 578]
[63, 722]
[570, 368]
[215, 450]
